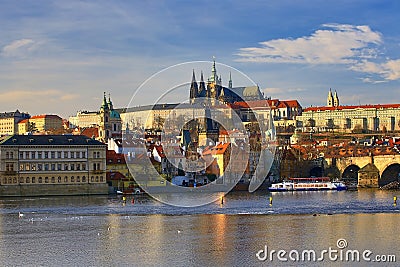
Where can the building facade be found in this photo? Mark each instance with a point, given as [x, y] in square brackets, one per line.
[52, 160]
[361, 118]
[40, 123]
[9, 122]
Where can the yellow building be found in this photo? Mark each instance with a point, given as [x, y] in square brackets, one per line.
[9, 122]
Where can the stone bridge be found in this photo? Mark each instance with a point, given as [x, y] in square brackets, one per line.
[388, 166]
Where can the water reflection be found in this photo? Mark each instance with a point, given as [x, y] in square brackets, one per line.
[101, 231]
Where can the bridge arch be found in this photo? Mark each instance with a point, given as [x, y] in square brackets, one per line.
[390, 174]
[351, 172]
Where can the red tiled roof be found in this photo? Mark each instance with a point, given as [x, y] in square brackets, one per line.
[90, 132]
[46, 116]
[24, 121]
[115, 158]
[218, 149]
[378, 106]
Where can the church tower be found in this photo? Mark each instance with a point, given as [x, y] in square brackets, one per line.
[104, 127]
[194, 91]
[202, 86]
[230, 81]
[329, 100]
[335, 100]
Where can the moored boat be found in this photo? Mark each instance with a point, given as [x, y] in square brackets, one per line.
[307, 184]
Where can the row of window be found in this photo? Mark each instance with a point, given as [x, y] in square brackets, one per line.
[49, 154]
[52, 167]
[53, 180]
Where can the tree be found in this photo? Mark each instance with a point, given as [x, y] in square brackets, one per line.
[32, 127]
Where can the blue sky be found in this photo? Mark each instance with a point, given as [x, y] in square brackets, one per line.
[59, 56]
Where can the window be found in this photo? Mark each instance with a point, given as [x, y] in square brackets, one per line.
[27, 167]
[83, 179]
[7, 155]
[78, 154]
[65, 154]
[9, 166]
[78, 179]
[53, 167]
[39, 155]
[78, 167]
[65, 167]
[39, 166]
[33, 167]
[94, 166]
[72, 154]
[92, 179]
[53, 180]
[97, 178]
[33, 155]
[59, 167]
[94, 154]
[84, 167]
[98, 166]
[53, 154]
[27, 180]
[21, 167]
[21, 180]
[33, 180]
[72, 167]
[11, 155]
[101, 178]
[46, 180]
[72, 179]
[46, 167]
[59, 154]
[83, 154]
[59, 179]
[40, 180]
[46, 155]
[21, 155]
[27, 155]
[66, 179]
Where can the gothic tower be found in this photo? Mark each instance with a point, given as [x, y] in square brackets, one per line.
[202, 86]
[329, 101]
[194, 91]
[335, 100]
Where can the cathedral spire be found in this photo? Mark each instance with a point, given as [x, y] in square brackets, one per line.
[329, 100]
[194, 91]
[230, 80]
[336, 100]
[110, 104]
[202, 84]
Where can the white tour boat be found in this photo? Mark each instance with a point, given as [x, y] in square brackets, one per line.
[307, 184]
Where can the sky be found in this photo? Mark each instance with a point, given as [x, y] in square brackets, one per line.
[58, 57]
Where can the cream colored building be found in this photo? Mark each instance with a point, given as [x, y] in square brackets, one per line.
[51, 160]
[9, 122]
[350, 118]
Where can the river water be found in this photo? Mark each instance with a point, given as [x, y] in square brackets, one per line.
[103, 231]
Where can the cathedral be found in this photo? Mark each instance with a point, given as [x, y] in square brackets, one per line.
[214, 90]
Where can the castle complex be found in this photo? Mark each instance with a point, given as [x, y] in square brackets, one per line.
[362, 118]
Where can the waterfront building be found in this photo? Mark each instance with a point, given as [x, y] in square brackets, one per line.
[106, 119]
[52, 164]
[358, 118]
[9, 121]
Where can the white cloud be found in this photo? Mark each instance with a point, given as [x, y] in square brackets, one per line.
[18, 47]
[337, 44]
[389, 70]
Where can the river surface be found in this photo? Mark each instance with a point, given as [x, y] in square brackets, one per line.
[103, 231]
